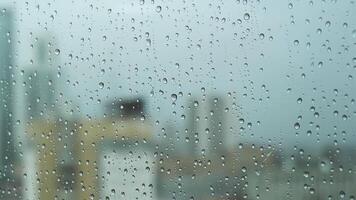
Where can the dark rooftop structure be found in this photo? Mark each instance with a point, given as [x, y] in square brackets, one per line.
[126, 108]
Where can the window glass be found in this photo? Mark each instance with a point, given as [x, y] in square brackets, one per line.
[178, 99]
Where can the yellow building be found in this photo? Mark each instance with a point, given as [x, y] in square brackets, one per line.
[87, 146]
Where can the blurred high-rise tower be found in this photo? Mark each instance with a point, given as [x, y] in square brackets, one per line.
[39, 102]
[6, 93]
[217, 129]
[40, 84]
[7, 148]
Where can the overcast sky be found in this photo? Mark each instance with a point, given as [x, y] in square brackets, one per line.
[257, 51]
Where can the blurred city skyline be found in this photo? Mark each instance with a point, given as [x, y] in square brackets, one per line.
[102, 94]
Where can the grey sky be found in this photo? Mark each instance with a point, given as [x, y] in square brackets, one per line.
[212, 41]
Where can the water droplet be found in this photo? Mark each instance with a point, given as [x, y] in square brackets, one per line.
[290, 5]
[57, 51]
[311, 190]
[241, 120]
[344, 117]
[174, 97]
[246, 16]
[196, 103]
[297, 126]
[316, 114]
[299, 100]
[262, 36]
[158, 9]
[101, 85]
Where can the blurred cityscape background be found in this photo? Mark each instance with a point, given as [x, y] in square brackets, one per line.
[197, 132]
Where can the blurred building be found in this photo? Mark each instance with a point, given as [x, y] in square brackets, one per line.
[39, 108]
[192, 133]
[7, 149]
[40, 83]
[206, 126]
[103, 158]
[217, 127]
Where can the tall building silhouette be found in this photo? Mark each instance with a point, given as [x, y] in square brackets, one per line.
[216, 125]
[40, 84]
[39, 101]
[192, 134]
[206, 126]
[7, 156]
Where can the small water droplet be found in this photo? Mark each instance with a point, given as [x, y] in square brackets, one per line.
[57, 51]
[297, 126]
[101, 85]
[290, 5]
[196, 103]
[158, 9]
[174, 97]
[299, 100]
[246, 16]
